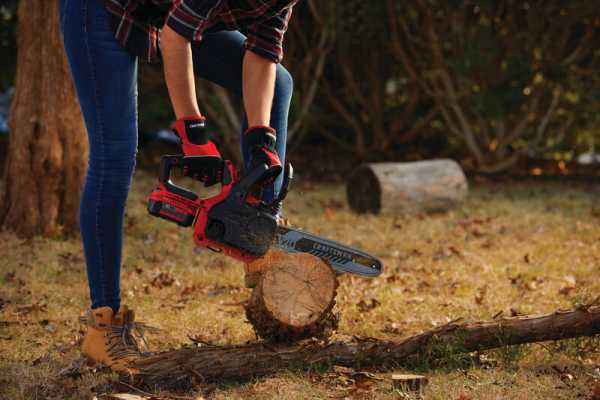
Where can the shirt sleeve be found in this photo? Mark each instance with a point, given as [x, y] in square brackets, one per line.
[190, 18]
[265, 38]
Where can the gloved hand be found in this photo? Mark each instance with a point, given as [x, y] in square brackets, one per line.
[259, 145]
[202, 160]
[194, 138]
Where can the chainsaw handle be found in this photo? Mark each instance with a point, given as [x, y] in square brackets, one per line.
[167, 163]
[241, 189]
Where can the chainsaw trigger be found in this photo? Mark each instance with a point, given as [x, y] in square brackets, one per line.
[288, 176]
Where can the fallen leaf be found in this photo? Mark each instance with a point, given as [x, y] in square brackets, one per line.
[477, 233]
[330, 212]
[9, 277]
[566, 377]
[455, 251]
[488, 244]
[392, 328]
[340, 369]
[189, 290]
[365, 306]
[442, 254]
[28, 308]
[70, 258]
[531, 285]
[48, 326]
[570, 280]
[480, 296]
[125, 396]
[163, 279]
[415, 300]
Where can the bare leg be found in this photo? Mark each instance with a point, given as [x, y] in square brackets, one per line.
[258, 77]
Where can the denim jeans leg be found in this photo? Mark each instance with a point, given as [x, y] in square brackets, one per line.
[105, 79]
[219, 59]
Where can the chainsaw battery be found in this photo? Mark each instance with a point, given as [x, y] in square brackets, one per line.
[172, 207]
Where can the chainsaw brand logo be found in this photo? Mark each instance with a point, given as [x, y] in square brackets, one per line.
[331, 251]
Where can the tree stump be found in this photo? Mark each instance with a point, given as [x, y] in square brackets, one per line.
[48, 147]
[293, 298]
[388, 188]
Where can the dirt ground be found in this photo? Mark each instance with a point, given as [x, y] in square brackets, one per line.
[516, 248]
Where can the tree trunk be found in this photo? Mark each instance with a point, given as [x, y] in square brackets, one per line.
[210, 363]
[47, 147]
[293, 298]
[388, 188]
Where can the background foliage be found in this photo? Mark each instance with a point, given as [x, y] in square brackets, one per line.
[490, 83]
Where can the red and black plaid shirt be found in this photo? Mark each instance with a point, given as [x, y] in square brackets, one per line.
[137, 22]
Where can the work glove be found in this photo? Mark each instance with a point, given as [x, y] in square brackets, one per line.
[202, 160]
[259, 146]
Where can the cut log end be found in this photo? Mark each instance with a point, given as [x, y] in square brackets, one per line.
[294, 297]
[364, 191]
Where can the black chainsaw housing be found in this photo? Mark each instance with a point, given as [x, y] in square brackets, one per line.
[242, 226]
[239, 224]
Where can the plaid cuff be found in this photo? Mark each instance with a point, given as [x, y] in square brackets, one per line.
[266, 38]
[190, 18]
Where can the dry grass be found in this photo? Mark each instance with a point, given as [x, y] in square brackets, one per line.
[516, 248]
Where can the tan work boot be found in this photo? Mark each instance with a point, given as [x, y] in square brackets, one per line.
[109, 339]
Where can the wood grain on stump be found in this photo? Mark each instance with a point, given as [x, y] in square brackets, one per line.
[293, 298]
[392, 187]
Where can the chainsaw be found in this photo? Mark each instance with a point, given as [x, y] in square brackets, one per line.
[235, 223]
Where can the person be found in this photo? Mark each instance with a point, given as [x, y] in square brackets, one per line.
[104, 39]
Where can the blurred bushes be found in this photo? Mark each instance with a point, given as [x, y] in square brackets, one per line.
[509, 78]
[486, 82]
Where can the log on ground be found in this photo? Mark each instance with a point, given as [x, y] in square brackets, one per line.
[217, 363]
[388, 188]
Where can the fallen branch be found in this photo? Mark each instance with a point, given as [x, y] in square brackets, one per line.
[210, 363]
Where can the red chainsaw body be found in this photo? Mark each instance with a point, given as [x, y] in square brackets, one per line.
[179, 205]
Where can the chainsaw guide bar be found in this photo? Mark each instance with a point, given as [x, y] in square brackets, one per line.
[341, 258]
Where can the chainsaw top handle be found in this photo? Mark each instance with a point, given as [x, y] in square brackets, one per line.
[240, 190]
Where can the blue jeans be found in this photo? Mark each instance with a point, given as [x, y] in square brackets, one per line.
[105, 77]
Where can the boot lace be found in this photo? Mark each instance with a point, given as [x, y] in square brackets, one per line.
[124, 340]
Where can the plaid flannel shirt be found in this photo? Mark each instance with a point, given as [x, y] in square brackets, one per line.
[137, 23]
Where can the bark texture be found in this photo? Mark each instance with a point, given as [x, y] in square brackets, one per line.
[210, 363]
[47, 146]
[294, 297]
[388, 188]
